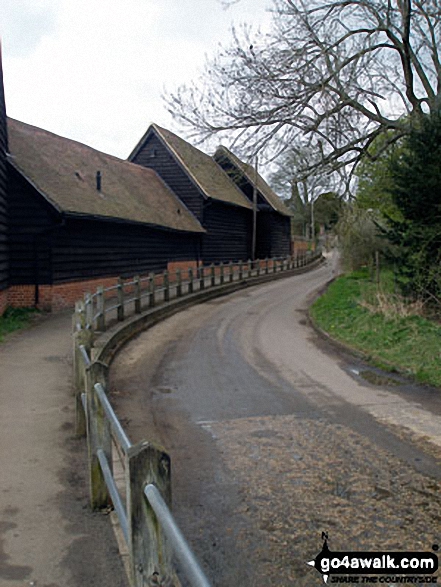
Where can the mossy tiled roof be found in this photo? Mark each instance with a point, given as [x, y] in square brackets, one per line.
[249, 174]
[64, 171]
[202, 169]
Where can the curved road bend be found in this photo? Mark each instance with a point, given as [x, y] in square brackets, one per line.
[275, 437]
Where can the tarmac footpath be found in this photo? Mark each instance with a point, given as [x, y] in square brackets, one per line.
[49, 537]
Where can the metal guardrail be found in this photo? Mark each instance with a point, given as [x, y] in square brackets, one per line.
[147, 467]
[180, 546]
[147, 531]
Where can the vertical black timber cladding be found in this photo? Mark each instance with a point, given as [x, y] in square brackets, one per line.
[4, 255]
[90, 248]
[273, 235]
[229, 233]
[155, 155]
[242, 183]
[47, 248]
[31, 221]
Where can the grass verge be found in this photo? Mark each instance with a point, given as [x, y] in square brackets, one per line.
[407, 344]
[15, 319]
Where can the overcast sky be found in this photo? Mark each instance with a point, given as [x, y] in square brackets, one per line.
[95, 70]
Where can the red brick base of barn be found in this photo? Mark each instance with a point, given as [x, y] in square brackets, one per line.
[64, 295]
[3, 300]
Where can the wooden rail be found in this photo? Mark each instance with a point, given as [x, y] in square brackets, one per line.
[106, 306]
[147, 466]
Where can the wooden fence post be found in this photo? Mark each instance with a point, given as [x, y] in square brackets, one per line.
[150, 552]
[222, 278]
[231, 271]
[166, 285]
[101, 317]
[240, 271]
[88, 309]
[178, 283]
[190, 280]
[120, 296]
[81, 337]
[152, 287]
[98, 436]
[201, 278]
[213, 275]
[137, 292]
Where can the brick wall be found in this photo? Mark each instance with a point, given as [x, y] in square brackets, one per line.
[21, 296]
[3, 300]
[301, 245]
[64, 295]
[181, 265]
[54, 297]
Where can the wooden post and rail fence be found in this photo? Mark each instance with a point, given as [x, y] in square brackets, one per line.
[102, 322]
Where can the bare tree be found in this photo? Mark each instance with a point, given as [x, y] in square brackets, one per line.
[330, 76]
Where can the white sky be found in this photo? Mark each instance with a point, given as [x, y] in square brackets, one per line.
[95, 70]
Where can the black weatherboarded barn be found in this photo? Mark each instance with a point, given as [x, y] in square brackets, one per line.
[221, 208]
[78, 216]
[273, 234]
[4, 255]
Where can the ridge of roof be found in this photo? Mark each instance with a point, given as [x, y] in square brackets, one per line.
[64, 172]
[262, 186]
[202, 169]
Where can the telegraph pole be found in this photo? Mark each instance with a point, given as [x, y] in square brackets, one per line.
[255, 210]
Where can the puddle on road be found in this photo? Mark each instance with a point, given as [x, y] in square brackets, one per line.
[377, 377]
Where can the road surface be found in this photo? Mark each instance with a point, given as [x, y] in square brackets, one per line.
[276, 437]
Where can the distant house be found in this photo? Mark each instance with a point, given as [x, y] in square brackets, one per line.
[79, 218]
[221, 208]
[4, 255]
[273, 230]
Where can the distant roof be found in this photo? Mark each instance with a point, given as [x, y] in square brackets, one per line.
[64, 172]
[249, 173]
[204, 171]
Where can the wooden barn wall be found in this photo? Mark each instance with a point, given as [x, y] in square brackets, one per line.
[155, 156]
[30, 222]
[273, 235]
[242, 183]
[86, 248]
[229, 233]
[4, 256]
[47, 249]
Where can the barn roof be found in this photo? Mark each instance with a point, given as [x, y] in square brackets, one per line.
[64, 172]
[201, 168]
[248, 172]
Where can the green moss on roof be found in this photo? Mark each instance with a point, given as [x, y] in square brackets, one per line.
[249, 173]
[64, 171]
[203, 169]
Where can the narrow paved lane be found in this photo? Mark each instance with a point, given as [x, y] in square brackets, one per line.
[275, 437]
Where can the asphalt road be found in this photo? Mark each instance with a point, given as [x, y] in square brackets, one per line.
[276, 436]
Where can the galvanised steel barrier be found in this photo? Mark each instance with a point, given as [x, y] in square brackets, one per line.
[147, 524]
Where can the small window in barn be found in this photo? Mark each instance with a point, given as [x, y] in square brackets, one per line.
[178, 211]
[153, 154]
